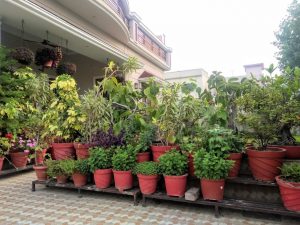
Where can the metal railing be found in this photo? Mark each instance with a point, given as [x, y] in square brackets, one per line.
[114, 5]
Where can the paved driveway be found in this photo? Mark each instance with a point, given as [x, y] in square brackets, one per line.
[18, 205]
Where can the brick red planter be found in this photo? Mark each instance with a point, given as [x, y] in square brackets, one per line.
[41, 172]
[103, 178]
[79, 179]
[62, 179]
[19, 159]
[63, 151]
[1, 162]
[176, 185]
[237, 158]
[82, 150]
[212, 189]
[292, 151]
[143, 157]
[40, 156]
[147, 183]
[159, 150]
[123, 180]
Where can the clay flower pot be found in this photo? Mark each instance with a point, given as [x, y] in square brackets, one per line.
[292, 151]
[103, 178]
[40, 156]
[212, 189]
[147, 183]
[19, 159]
[175, 185]
[237, 158]
[63, 151]
[82, 150]
[290, 194]
[62, 179]
[123, 179]
[143, 157]
[41, 172]
[191, 165]
[159, 150]
[1, 162]
[265, 165]
[79, 179]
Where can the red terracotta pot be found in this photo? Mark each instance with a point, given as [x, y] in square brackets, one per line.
[191, 165]
[102, 178]
[123, 180]
[159, 150]
[265, 165]
[147, 183]
[82, 150]
[1, 162]
[48, 64]
[212, 189]
[290, 194]
[237, 158]
[41, 172]
[19, 159]
[292, 151]
[62, 179]
[176, 185]
[79, 179]
[63, 151]
[40, 156]
[143, 157]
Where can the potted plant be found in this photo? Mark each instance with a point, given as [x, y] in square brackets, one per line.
[173, 165]
[40, 167]
[212, 171]
[66, 68]
[20, 151]
[4, 149]
[100, 163]
[59, 169]
[80, 171]
[289, 186]
[23, 55]
[147, 173]
[45, 57]
[123, 161]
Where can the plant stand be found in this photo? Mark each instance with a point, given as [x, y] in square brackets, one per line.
[12, 171]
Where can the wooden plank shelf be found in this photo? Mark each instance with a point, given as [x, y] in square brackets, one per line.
[134, 192]
[249, 180]
[13, 171]
[277, 209]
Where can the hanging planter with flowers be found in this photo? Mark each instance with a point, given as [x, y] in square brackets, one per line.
[23, 55]
[45, 57]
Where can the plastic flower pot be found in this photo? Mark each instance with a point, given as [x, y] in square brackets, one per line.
[290, 194]
[1, 162]
[191, 165]
[82, 150]
[123, 180]
[175, 185]
[265, 165]
[147, 183]
[103, 178]
[19, 159]
[40, 156]
[237, 158]
[79, 179]
[212, 189]
[62, 179]
[292, 151]
[63, 151]
[143, 157]
[41, 172]
[159, 150]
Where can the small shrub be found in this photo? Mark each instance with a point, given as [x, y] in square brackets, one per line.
[124, 159]
[291, 172]
[81, 166]
[147, 168]
[59, 167]
[100, 158]
[173, 163]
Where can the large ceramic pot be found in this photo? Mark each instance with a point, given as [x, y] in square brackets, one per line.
[292, 151]
[212, 189]
[82, 150]
[237, 158]
[265, 165]
[63, 151]
[159, 150]
[1, 162]
[147, 183]
[176, 185]
[143, 157]
[290, 194]
[41, 172]
[123, 180]
[79, 179]
[102, 178]
[19, 159]
[40, 156]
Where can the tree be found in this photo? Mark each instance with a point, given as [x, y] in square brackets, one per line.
[288, 38]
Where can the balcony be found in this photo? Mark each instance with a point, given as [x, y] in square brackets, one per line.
[115, 6]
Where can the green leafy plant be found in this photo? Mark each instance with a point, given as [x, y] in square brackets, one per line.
[173, 163]
[146, 168]
[100, 158]
[81, 166]
[59, 167]
[291, 172]
[209, 166]
[124, 159]
[4, 146]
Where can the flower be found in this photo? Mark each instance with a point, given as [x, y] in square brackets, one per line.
[9, 135]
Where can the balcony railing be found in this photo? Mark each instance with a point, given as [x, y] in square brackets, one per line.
[116, 7]
[149, 44]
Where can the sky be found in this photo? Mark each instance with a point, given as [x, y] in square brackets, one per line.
[222, 35]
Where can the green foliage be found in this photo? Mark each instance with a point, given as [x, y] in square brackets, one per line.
[291, 172]
[59, 167]
[124, 159]
[146, 168]
[100, 158]
[81, 166]
[4, 146]
[173, 163]
[210, 166]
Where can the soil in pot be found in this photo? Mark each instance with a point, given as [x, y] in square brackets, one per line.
[79, 179]
[19, 159]
[41, 172]
[82, 150]
[123, 180]
[63, 151]
[265, 165]
[1, 162]
[176, 185]
[212, 189]
[62, 179]
[103, 178]
[143, 157]
[40, 156]
[147, 183]
[290, 194]
[237, 158]
[159, 150]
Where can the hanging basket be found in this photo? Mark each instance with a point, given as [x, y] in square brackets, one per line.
[66, 68]
[44, 56]
[23, 55]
